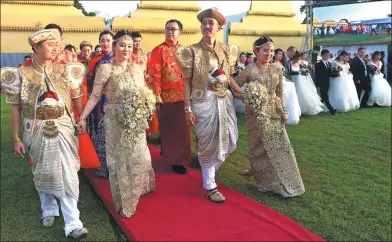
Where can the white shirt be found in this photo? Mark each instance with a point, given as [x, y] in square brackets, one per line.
[364, 64]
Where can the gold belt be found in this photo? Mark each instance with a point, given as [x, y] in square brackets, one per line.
[49, 112]
[220, 88]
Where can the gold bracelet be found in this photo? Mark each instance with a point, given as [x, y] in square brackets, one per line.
[17, 139]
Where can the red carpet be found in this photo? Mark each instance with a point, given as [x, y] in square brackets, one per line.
[179, 211]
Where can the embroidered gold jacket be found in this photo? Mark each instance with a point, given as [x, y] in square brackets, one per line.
[195, 63]
[23, 85]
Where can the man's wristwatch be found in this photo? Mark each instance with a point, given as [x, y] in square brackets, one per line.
[188, 109]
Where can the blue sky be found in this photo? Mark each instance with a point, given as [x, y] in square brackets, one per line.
[362, 11]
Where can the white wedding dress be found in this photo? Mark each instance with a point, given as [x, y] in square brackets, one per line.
[381, 90]
[291, 102]
[342, 92]
[309, 101]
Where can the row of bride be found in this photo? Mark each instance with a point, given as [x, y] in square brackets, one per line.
[339, 84]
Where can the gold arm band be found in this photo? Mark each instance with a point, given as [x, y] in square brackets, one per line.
[16, 139]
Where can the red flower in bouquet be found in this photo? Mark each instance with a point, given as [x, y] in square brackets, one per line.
[49, 94]
[218, 72]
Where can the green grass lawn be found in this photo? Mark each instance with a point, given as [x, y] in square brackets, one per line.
[345, 162]
[350, 39]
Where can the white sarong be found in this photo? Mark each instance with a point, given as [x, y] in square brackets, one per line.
[216, 128]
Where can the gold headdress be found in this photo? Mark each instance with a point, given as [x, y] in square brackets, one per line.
[262, 41]
[126, 36]
[212, 13]
[42, 35]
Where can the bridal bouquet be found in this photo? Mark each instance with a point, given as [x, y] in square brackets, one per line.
[373, 69]
[335, 71]
[256, 96]
[304, 71]
[135, 106]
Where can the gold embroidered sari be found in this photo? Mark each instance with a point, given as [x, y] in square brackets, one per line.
[272, 159]
[130, 170]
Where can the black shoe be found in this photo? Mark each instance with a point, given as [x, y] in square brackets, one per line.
[333, 111]
[179, 169]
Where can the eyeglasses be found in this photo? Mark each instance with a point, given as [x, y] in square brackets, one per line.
[171, 30]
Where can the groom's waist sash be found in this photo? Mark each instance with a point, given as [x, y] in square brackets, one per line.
[49, 112]
[220, 88]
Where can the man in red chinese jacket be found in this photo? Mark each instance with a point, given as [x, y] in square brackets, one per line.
[167, 83]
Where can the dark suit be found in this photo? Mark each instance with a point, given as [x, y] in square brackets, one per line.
[361, 74]
[287, 66]
[382, 67]
[323, 74]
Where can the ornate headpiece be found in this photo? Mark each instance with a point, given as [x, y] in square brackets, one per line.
[262, 41]
[42, 35]
[126, 35]
[212, 13]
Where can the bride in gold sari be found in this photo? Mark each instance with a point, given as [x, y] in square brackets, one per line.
[130, 104]
[272, 159]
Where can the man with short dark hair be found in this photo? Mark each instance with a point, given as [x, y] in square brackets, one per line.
[361, 76]
[138, 56]
[250, 58]
[323, 72]
[27, 58]
[167, 83]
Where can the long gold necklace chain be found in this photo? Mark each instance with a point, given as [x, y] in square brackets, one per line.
[265, 73]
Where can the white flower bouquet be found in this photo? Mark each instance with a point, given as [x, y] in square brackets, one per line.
[135, 107]
[256, 96]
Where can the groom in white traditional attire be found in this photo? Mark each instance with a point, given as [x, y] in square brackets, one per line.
[42, 95]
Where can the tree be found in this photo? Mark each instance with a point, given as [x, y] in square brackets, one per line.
[78, 5]
[107, 21]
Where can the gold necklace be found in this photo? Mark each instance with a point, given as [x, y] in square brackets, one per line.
[261, 68]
